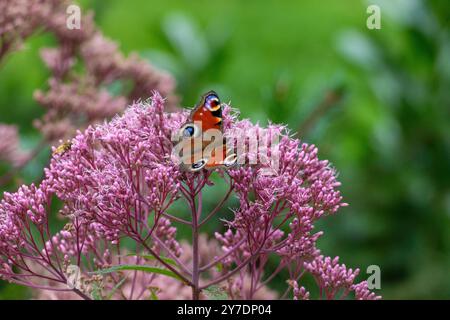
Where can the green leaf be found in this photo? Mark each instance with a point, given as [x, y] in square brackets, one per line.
[153, 293]
[96, 292]
[150, 257]
[215, 293]
[147, 269]
[116, 287]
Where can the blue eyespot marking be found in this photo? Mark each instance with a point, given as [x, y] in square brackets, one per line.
[198, 165]
[212, 101]
[188, 131]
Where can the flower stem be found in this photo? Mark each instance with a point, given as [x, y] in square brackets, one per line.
[168, 266]
[195, 261]
[81, 294]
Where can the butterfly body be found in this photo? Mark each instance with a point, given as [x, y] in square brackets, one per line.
[202, 136]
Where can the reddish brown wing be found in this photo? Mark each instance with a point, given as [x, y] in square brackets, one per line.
[217, 157]
[208, 112]
[221, 157]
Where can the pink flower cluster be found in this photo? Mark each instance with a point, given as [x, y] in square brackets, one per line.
[336, 280]
[118, 182]
[10, 151]
[75, 99]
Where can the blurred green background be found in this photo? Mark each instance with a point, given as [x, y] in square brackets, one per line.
[375, 102]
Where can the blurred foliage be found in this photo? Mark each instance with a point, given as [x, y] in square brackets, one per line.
[376, 102]
[401, 159]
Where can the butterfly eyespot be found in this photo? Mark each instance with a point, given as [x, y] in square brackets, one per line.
[230, 160]
[189, 130]
[198, 165]
[212, 101]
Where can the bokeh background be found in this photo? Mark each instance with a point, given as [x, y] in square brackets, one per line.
[375, 102]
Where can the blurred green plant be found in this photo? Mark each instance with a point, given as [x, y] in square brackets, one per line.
[195, 56]
[399, 205]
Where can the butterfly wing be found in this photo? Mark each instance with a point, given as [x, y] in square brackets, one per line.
[221, 157]
[208, 112]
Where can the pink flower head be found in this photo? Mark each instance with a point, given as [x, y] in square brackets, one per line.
[119, 181]
[10, 151]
